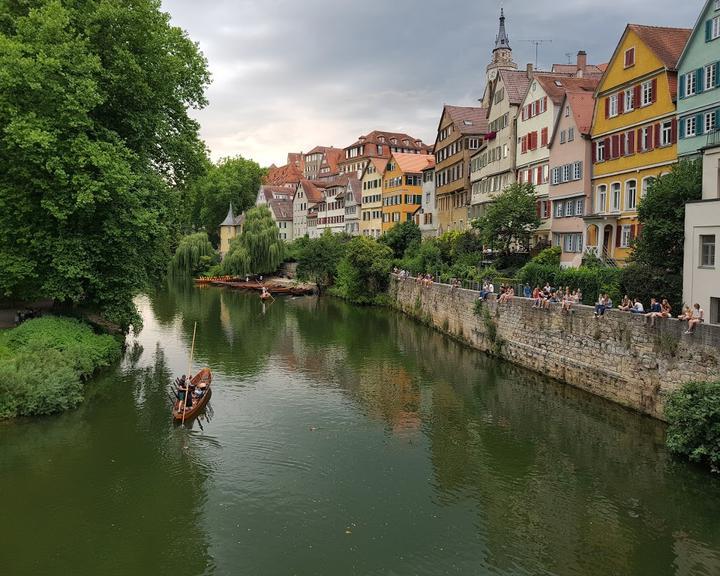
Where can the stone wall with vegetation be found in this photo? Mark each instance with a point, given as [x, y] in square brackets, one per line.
[619, 356]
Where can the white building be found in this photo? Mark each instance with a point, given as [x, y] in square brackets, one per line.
[306, 196]
[353, 205]
[701, 269]
[426, 217]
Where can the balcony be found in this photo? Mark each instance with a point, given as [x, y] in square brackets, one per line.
[713, 139]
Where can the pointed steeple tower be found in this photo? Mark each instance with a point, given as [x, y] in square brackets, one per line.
[501, 40]
[230, 218]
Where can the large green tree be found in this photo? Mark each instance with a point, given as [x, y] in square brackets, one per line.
[401, 236]
[364, 271]
[231, 180]
[96, 142]
[258, 249]
[319, 258]
[510, 219]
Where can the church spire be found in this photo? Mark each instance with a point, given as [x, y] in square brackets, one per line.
[502, 42]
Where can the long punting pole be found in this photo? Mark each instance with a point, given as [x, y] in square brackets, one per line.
[187, 388]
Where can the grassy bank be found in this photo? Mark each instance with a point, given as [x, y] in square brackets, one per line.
[45, 363]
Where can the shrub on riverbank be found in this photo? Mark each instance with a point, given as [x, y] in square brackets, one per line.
[45, 362]
[591, 281]
[364, 271]
[693, 414]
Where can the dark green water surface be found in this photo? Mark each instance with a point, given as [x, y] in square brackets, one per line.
[342, 441]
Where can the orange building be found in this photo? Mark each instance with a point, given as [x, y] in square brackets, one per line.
[402, 187]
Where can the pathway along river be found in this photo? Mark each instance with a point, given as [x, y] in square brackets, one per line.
[342, 441]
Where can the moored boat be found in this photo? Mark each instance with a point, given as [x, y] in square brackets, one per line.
[201, 381]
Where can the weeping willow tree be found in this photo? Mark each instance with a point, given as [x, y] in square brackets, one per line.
[259, 249]
[193, 257]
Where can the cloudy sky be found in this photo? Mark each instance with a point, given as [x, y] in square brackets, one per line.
[292, 74]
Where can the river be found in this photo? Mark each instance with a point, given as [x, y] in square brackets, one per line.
[342, 441]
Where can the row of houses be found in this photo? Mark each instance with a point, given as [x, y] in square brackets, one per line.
[590, 138]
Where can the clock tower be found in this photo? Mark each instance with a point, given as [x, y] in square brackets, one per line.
[501, 57]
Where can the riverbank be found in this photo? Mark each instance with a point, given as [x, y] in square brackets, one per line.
[619, 357]
[46, 362]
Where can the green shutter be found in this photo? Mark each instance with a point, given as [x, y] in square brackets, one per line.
[708, 30]
[682, 89]
[717, 74]
[682, 127]
[699, 79]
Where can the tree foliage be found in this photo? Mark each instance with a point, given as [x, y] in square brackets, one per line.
[319, 258]
[693, 414]
[401, 236]
[95, 138]
[510, 219]
[194, 256]
[364, 271]
[233, 181]
[258, 249]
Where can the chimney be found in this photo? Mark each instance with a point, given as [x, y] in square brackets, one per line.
[530, 71]
[581, 63]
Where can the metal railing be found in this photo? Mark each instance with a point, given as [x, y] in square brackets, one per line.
[713, 139]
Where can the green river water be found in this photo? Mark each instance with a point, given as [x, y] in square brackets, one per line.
[342, 441]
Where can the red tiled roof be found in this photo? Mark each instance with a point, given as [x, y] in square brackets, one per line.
[582, 105]
[468, 119]
[283, 209]
[374, 138]
[312, 192]
[666, 43]
[413, 163]
[516, 84]
[288, 174]
[555, 85]
[380, 164]
[590, 69]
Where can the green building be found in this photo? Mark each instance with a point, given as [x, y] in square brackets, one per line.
[698, 102]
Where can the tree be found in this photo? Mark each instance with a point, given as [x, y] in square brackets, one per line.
[319, 258]
[231, 180]
[401, 236]
[510, 219]
[364, 271]
[258, 249]
[96, 142]
[194, 256]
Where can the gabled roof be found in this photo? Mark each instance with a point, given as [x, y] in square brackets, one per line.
[374, 138]
[516, 84]
[590, 69]
[413, 163]
[667, 43]
[282, 209]
[312, 192]
[468, 119]
[699, 27]
[582, 106]
[269, 192]
[555, 86]
[288, 174]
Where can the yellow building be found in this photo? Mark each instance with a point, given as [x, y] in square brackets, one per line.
[402, 187]
[371, 207]
[634, 134]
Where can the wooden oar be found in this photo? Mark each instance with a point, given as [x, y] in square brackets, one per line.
[187, 386]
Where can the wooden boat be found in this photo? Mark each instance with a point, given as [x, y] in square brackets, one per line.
[204, 377]
[265, 296]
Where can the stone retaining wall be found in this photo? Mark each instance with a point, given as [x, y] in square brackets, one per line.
[619, 356]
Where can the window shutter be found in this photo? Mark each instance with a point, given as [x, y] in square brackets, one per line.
[699, 80]
[608, 148]
[594, 152]
[681, 93]
[544, 102]
[633, 231]
[657, 135]
[699, 126]
[651, 138]
[538, 175]
[717, 74]
[544, 137]
[673, 131]
[538, 209]
[621, 103]
[708, 30]
[618, 235]
[616, 146]
[636, 96]
[639, 139]
[607, 107]
[631, 142]
[622, 145]
[654, 90]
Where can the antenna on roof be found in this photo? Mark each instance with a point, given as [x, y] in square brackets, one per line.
[569, 56]
[537, 44]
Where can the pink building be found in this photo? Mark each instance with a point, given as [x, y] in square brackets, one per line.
[570, 174]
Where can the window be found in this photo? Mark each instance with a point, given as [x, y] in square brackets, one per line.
[577, 171]
[571, 134]
[579, 206]
[690, 86]
[690, 127]
[646, 183]
[600, 151]
[646, 94]
[563, 136]
[629, 57]
[631, 194]
[567, 111]
[709, 122]
[666, 134]
[613, 105]
[555, 176]
[571, 242]
[506, 150]
[625, 236]
[714, 28]
[569, 208]
[615, 196]
[707, 250]
[644, 138]
[601, 198]
[709, 81]
[566, 173]
[629, 99]
[559, 210]
[545, 173]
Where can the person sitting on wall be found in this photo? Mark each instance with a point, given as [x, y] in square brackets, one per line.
[602, 305]
[663, 310]
[637, 307]
[686, 313]
[527, 291]
[626, 304]
[697, 316]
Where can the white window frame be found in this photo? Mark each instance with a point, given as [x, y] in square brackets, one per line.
[613, 108]
[645, 185]
[690, 121]
[709, 79]
[631, 193]
[629, 100]
[615, 194]
[690, 84]
[709, 122]
[646, 93]
[715, 32]
[600, 151]
[601, 198]
[709, 262]
[559, 211]
[569, 208]
[666, 133]
[571, 134]
[580, 207]
[577, 171]
[625, 236]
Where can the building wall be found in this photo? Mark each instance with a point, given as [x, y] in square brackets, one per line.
[227, 233]
[620, 358]
[371, 212]
[698, 53]
[452, 212]
[427, 218]
[579, 149]
[300, 208]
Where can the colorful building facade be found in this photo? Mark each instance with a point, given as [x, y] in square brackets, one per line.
[634, 134]
[402, 188]
[371, 211]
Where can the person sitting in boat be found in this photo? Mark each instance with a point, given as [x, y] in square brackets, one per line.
[265, 293]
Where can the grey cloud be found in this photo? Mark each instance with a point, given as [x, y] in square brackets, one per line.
[289, 75]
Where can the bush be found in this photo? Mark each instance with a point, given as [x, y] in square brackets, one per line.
[549, 256]
[645, 282]
[364, 271]
[45, 361]
[319, 258]
[693, 414]
[591, 281]
[194, 257]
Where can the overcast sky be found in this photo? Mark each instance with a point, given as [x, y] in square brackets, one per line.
[291, 74]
